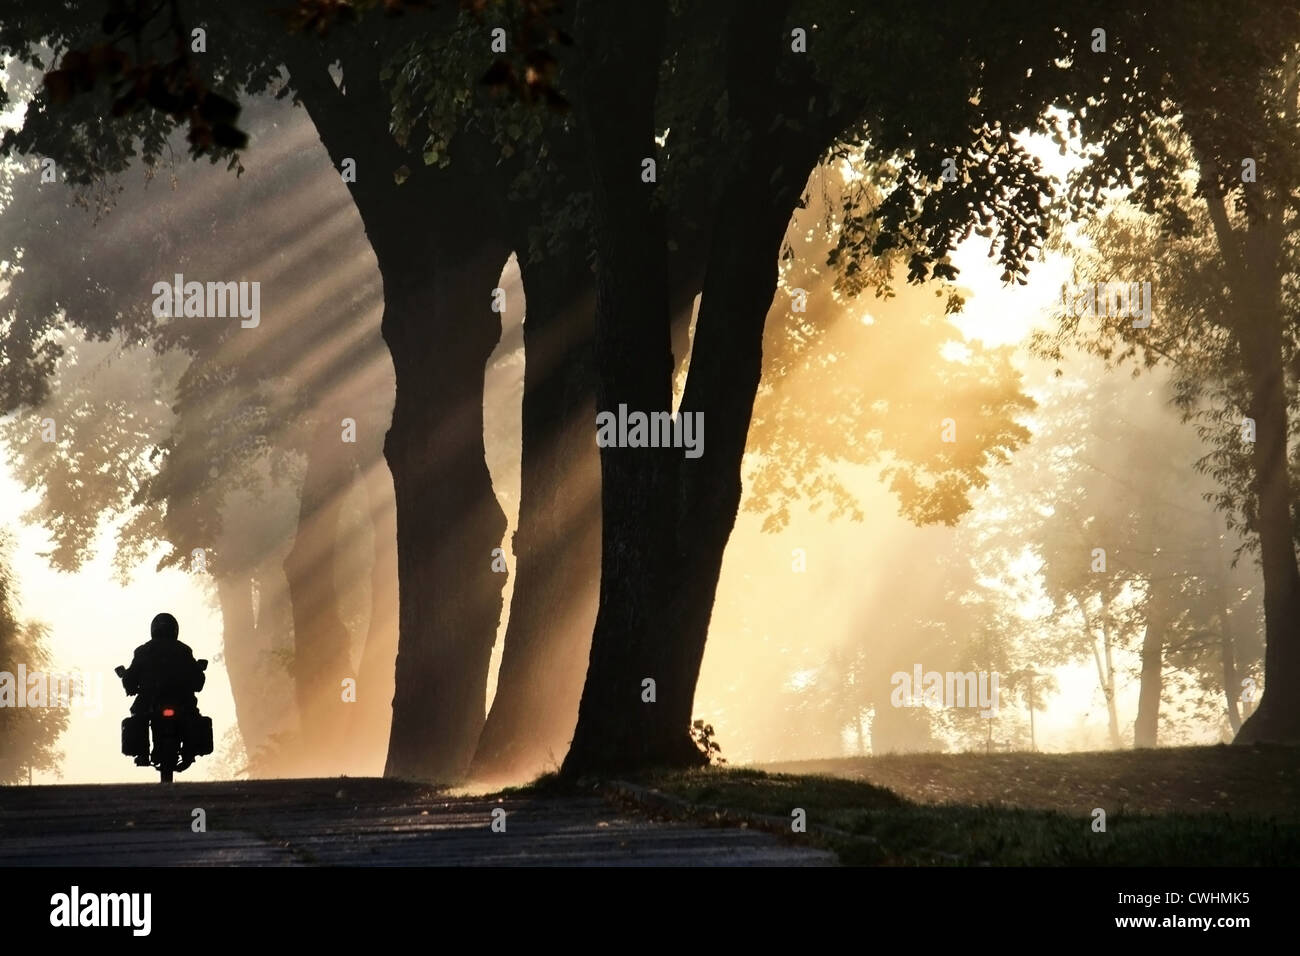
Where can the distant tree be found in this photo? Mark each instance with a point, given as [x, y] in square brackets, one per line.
[169, 425]
[1125, 546]
[1194, 350]
[1187, 132]
[28, 735]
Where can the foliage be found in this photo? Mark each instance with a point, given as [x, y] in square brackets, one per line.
[28, 735]
[844, 387]
[1193, 337]
[703, 736]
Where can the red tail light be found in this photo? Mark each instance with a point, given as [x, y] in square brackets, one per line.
[168, 712]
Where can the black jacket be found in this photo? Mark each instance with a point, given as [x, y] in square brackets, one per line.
[163, 667]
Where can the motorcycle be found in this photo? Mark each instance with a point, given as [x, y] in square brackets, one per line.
[180, 733]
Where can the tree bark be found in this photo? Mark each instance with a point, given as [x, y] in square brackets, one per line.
[1277, 717]
[1253, 260]
[440, 331]
[321, 660]
[557, 540]
[261, 691]
[726, 356]
[617, 716]
[1108, 687]
[701, 496]
[1105, 673]
[725, 370]
[448, 518]
[242, 651]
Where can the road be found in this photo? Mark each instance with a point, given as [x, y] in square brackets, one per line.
[355, 822]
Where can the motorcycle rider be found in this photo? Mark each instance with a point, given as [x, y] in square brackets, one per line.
[163, 666]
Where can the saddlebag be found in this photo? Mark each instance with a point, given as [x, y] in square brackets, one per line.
[198, 736]
[135, 736]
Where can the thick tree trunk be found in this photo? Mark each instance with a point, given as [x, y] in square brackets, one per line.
[703, 494]
[1278, 714]
[1253, 259]
[726, 356]
[618, 714]
[321, 661]
[557, 541]
[437, 306]
[440, 330]
[243, 648]
[725, 369]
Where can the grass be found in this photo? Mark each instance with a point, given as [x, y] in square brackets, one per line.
[1230, 779]
[1195, 806]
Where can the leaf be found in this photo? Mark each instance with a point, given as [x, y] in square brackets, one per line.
[499, 73]
[59, 84]
[225, 135]
[218, 109]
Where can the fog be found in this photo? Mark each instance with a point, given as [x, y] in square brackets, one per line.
[818, 607]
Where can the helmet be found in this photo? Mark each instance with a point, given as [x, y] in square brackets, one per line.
[164, 628]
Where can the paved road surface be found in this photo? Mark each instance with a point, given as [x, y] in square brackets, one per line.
[366, 822]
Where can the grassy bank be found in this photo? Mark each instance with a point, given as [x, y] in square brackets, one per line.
[1196, 806]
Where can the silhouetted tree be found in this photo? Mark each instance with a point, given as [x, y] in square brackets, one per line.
[28, 734]
[1215, 114]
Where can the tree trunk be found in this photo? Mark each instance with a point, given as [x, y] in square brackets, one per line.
[1105, 674]
[243, 649]
[1253, 259]
[1229, 658]
[557, 541]
[321, 659]
[725, 369]
[619, 712]
[1146, 728]
[1112, 712]
[440, 330]
[700, 497]
[726, 356]
[1277, 717]
[437, 306]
